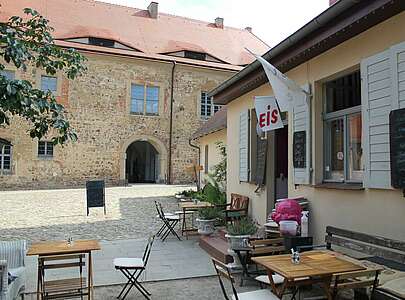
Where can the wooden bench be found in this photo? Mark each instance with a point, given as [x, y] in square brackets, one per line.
[377, 249]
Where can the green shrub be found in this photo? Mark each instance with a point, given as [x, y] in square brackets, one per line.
[208, 213]
[244, 226]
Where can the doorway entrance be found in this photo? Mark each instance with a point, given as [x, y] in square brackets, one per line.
[281, 163]
[142, 163]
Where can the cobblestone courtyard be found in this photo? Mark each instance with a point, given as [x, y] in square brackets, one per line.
[56, 214]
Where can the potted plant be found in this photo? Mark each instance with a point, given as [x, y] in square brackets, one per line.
[206, 220]
[239, 233]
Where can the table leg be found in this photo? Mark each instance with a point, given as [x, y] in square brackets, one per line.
[39, 279]
[90, 279]
[279, 292]
[243, 261]
[326, 286]
[183, 226]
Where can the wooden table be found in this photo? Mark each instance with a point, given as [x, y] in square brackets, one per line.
[191, 206]
[315, 267]
[61, 250]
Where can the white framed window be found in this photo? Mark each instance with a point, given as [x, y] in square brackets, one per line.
[208, 108]
[10, 75]
[343, 150]
[45, 149]
[152, 100]
[5, 159]
[144, 99]
[49, 83]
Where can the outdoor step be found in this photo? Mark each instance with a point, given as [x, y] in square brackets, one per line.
[216, 247]
[221, 232]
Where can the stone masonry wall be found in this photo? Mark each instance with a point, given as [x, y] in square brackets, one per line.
[98, 105]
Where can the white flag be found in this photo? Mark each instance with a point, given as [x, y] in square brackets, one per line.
[285, 90]
[268, 114]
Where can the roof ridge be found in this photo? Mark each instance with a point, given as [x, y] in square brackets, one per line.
[102, 2]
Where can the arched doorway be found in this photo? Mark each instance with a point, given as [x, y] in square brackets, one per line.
[142, 163]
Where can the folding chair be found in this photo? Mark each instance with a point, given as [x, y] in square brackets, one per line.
[223, 271]
[169, 223]
[132, 268]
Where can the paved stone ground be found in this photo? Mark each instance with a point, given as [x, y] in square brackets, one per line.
[56, 214]
[202, 288]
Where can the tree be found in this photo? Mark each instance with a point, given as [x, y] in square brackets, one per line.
[219, 170]
[28, 42]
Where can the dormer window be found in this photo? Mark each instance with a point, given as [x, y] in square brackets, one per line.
[101, 42]
[195, 55]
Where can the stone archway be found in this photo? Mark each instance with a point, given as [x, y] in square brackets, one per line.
[156, 147]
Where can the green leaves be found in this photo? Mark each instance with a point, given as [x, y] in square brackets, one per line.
[28, 42]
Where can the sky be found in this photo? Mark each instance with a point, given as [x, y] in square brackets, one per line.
[271, 20]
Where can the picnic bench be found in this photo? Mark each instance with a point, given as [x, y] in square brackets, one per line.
[379, 250]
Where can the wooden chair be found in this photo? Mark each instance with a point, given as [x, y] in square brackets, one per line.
[62, 288]
[385, 249]
[223, 272]
[267, 247]
[237, 209]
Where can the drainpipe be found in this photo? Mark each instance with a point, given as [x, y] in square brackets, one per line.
[199, 163]
[169, 181]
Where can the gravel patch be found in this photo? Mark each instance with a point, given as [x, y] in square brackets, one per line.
[56, 214]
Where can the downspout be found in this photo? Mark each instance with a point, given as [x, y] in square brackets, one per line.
[169, 180]
[199, 162]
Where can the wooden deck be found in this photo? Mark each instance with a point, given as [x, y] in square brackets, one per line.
[216, 246]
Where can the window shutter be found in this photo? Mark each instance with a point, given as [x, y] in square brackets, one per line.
[301, 113]
[244, 146]
[383, 90]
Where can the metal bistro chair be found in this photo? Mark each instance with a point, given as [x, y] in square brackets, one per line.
[169, 223]
[223, 271]
[132, 268]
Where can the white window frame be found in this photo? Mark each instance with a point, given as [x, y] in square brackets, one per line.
[10, 72]
[54, 92]
[2, 155]
[208, 102]
[344, 115]
[46, 154]
[145, 100]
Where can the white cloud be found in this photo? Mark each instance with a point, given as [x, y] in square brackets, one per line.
[271, 20]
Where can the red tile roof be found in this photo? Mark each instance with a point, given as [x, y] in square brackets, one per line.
[216, 123]
[134, 28]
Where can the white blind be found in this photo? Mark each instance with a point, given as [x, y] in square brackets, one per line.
[244, 146]
[383, 90]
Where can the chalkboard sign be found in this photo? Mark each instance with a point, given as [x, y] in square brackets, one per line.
[300, 149]
[95, 191]
[261, 161]
[397, 148]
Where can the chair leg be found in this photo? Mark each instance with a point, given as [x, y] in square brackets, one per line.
[160, 230]
[171, 227]
[133, 281]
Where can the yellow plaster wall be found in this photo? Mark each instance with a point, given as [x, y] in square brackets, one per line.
[214, 156]
[372, 211]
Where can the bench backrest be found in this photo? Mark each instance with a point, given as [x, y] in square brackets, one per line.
[239, 202]
[367, 244]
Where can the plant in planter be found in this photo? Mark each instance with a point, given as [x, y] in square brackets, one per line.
[240, 231]
[206, 220]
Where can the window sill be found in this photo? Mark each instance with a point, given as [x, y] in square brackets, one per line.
[144, 115]
[45, 157]
[340, 186]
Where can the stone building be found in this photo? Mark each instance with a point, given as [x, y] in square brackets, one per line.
[140, 101]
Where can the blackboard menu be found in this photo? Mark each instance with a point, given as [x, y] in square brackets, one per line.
[261, 161]
[300, 149]
[95, 192]
[397, 148]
